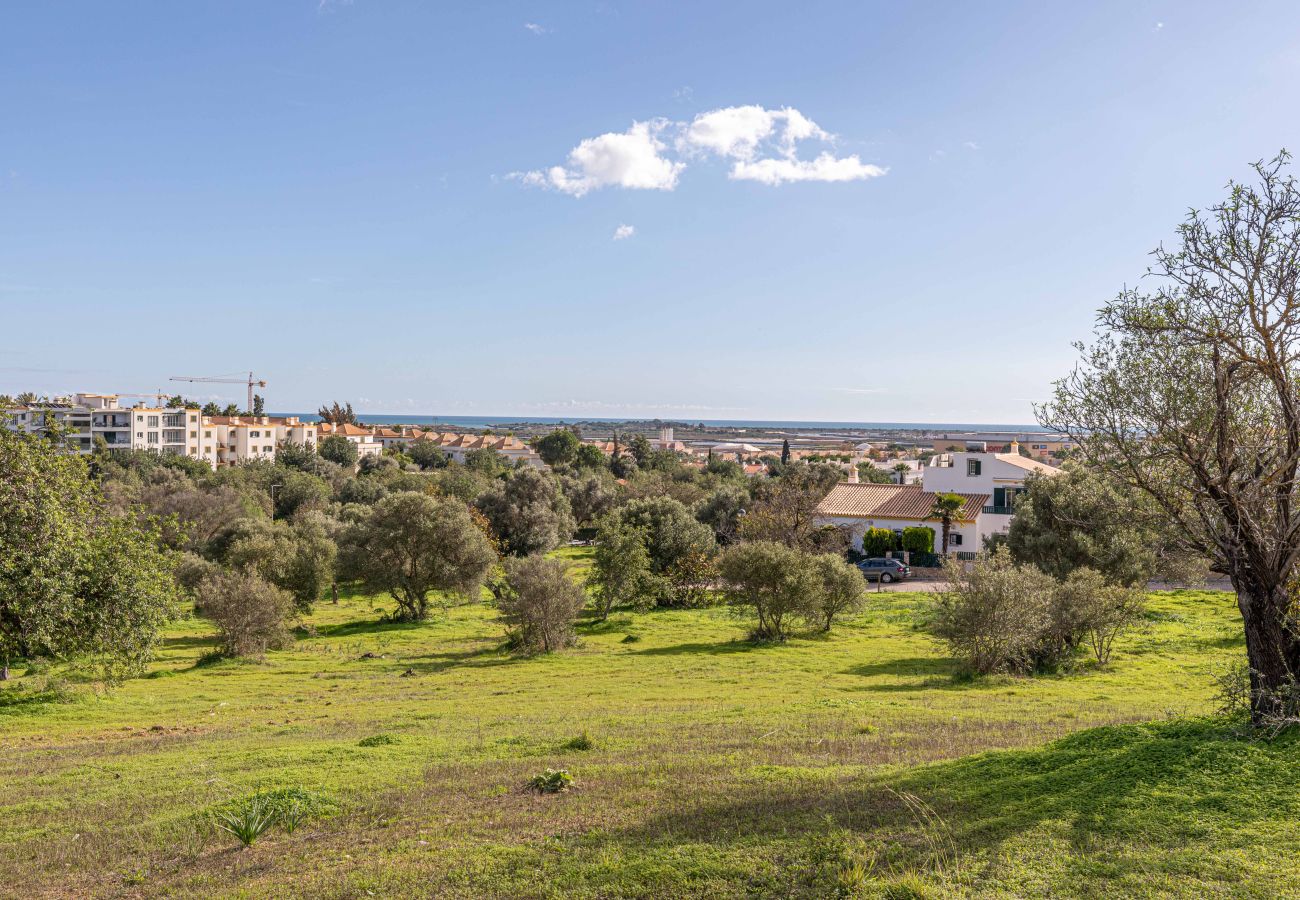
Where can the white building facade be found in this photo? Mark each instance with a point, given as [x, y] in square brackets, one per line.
[1000, 476]
[856, 506]
[217, 440]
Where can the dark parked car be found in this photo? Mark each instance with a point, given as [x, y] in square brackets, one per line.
[886, 570]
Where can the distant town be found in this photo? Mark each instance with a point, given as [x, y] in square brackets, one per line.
[891, 479]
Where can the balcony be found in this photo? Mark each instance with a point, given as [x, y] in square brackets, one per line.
[999, 510]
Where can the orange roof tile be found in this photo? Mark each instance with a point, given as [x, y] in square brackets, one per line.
[891, 501]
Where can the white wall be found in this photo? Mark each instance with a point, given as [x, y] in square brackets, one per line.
[970, 531]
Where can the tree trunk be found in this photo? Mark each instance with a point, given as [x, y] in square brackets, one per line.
[1272, 650]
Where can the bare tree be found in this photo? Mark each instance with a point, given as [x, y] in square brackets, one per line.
[1190, 393]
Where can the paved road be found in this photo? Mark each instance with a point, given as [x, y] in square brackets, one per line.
[934, 587]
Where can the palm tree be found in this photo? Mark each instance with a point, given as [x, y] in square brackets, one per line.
[901, 470]
[945, 509]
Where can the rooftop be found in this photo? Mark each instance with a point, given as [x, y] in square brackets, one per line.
[891, 501]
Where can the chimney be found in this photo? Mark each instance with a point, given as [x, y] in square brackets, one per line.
[1014, 449]
[853, 474]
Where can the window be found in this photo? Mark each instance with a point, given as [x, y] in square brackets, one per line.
[254, 434]
[153, 422]
[153, 437]
[193, 419]
[207, 434]
[139, 435]
[973, 468]
[955, 539]
[194, 434]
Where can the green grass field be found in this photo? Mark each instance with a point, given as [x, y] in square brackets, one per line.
[842, 765]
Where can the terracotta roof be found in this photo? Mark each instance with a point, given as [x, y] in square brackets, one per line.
[347, 429]
[473, 441]
[1033, 465]
[891, 501]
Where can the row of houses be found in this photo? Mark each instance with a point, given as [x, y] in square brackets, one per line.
[987, 481]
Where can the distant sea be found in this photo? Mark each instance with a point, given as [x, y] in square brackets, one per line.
[766, 424]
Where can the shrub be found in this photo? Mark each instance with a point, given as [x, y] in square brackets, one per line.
[1006, 617]
[539, 603]
[250, 613]
[620, 571]
[580, 742]
[379, 740]
[251, 817]
[1095, 611]
[995, 613]
[552, 781]
[841, 590]
[918, 539]
[879, 541]
[772, 581]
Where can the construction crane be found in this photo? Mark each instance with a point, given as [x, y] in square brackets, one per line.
[225, 379]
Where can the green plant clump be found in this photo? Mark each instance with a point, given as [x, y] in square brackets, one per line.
[552, 781]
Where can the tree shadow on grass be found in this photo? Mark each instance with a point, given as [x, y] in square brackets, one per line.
[192, 642]
[613, 624]
[1163, 785]
[365, 626]
[495, 654]
[712, 649]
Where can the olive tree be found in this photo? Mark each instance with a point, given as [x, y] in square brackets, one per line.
[250, 613]
[772, 581]
[840, 591]
[338, 449]
[75, 581]
[1079, 518]
[1190, 393]
[410, 544]
[620, 571]
[539, 603]
[528, 512]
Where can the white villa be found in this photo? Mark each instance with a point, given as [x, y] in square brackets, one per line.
[999, 476]
[856, 506]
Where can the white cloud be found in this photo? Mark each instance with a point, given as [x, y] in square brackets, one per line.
[970, 145]
[631, 159]
[737, 131]
[824, 168]
[535, 28]
[623, 232]
[762, 143]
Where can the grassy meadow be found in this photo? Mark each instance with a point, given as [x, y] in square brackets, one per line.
[858, 763]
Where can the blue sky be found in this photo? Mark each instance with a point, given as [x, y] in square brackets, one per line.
[338, 196]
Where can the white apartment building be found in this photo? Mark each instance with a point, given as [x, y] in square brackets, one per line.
[362, 437]
[1000, 476]
[86, 417]
[217, 440]
[230, 440]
